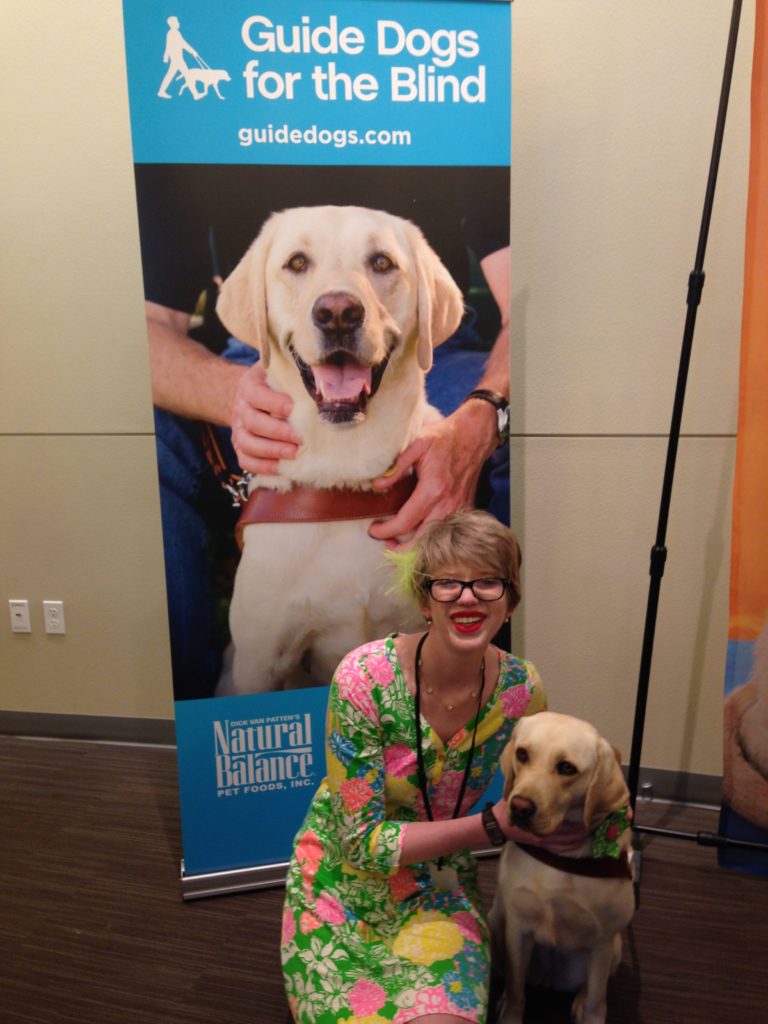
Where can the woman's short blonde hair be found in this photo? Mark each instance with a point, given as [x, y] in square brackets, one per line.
[472, 537]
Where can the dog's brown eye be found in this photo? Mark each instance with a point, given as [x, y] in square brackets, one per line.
[298, 263]
[522, 755]
[566, 768]
[381, 263]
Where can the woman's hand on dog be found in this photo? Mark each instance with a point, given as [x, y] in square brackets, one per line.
[261, 435]
[569, 836]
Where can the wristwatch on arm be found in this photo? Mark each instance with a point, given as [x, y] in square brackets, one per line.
[492, 827]
[500, 404]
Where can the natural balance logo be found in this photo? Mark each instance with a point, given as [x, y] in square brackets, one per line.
[263, 754]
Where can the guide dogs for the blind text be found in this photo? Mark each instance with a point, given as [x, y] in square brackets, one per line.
[558, 768]
[344, 305]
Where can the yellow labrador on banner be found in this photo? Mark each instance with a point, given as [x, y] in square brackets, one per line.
[557, 769]
[345, 305]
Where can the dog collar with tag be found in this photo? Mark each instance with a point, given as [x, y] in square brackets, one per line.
[321, 505]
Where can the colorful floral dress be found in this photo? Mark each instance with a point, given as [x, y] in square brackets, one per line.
[367, 940]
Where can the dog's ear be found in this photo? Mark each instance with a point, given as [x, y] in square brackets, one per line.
[607, 790]
[242, 302]
[440, 306]
[507, 763]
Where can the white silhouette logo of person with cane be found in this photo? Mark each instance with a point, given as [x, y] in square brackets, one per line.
[175, 45]
[204, 76]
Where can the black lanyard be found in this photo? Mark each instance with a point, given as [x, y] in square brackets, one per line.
[420, 755]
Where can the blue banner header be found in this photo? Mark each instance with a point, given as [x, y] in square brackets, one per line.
[327, 82]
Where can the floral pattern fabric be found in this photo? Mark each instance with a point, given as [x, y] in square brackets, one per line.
[366, 940]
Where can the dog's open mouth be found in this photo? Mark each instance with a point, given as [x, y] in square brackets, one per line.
[341, 386]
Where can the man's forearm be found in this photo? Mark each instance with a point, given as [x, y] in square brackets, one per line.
[187, 378]
[479, 419]
[496, 374]
[496, 269]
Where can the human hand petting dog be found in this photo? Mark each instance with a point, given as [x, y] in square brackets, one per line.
[566, 838]
[447, 459]
[261, 433]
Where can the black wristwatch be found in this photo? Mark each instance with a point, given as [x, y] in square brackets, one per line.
[501, 405]
[492, 827]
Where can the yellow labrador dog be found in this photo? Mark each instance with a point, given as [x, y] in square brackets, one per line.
[345, 305]
[558, 769]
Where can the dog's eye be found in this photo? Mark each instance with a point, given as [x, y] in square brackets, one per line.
[382, 263]
[566, 768]
[298, 263]
[521, 754]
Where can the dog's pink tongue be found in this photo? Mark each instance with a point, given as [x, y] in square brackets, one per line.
[342, 383]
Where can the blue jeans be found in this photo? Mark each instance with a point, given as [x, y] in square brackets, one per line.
[199, 520]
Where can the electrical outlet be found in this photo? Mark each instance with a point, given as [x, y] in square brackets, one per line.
[19, 609]
[53, 614]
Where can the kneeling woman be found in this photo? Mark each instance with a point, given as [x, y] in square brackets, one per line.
[383, 919]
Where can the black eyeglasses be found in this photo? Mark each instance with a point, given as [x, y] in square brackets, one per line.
[489, 588]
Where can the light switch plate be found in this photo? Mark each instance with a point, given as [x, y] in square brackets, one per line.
[19, 609]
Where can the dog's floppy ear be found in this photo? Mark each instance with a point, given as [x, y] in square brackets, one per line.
[607, 790]
[242, 303]
[439, 302]
[507, 763]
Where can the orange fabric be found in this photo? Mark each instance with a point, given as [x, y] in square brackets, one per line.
[749, 558]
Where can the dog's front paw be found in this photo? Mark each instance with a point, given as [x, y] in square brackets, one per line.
[509, 1015]
[583, 1014]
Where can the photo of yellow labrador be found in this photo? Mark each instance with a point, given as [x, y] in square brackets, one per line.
[345, 305]
[558, 769]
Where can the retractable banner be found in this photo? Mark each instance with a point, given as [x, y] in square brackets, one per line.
[745, 782]
[323, 199]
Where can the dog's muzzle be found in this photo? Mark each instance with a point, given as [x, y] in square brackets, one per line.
[340, 384]
[522, 811]
[339, 317]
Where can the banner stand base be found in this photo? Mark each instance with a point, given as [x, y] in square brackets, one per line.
[220, 883]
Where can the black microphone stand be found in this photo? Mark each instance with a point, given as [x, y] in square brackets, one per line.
[659, 550]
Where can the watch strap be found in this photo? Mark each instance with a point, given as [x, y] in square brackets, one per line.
[500, 404]
[497, 401]
[491, 826]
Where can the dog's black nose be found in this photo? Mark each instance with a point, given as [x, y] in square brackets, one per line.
[337, 313]
[522, 809]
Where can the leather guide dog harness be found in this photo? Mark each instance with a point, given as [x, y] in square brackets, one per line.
[315, 505]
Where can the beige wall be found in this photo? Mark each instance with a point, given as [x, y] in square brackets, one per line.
[80, 508]
[614, 111]
[614, 108]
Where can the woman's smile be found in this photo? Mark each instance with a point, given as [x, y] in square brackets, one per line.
[467, 622]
